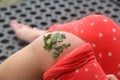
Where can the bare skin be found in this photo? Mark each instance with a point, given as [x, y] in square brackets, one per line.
[21, 30]
[32, 61]
[32, 56]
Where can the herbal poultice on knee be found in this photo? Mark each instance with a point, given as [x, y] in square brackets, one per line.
[50, 43]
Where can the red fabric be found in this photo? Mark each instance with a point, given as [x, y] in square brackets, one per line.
[79, 64]
[103, 34]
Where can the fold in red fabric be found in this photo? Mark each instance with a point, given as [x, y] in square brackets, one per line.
[79, 64]
[103, 34]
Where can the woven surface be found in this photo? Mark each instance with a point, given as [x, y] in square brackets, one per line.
[44, 13]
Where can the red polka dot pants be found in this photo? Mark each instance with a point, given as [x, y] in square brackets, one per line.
[103, 34]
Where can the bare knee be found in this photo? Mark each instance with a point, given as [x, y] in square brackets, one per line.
[45, 56]
[71, 39]
[35, 58]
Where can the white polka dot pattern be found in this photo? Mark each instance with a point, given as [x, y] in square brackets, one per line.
[114, 38]
[86, 69]
[118, 73]
[77, 70]
[113, 29]
[109, 54]
[73, 24]
[95, 64]
[105, 20]
[96, 76]
[82, 31]
[94, 45]
[119, 65]
[81, 23]
[100, 55]
[100, 34]
[76, 29]
[96, 15]
[92, 24]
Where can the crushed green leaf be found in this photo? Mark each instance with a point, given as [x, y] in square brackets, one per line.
[50, 43]
[66, 45]
[55, 54]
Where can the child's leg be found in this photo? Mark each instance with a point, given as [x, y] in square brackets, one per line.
[21, 30]
[30, 62]
[103, 34]
[77, 30]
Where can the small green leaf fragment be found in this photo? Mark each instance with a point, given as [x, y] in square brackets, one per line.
[47, 37]
[46, 45]
[66, 45]
[59, 38]
[59, 48]
[50, 43]
[54, 40]
[54, 46]
[55, 54]
[63, 35]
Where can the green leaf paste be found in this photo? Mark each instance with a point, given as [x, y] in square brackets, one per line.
[50, 43]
